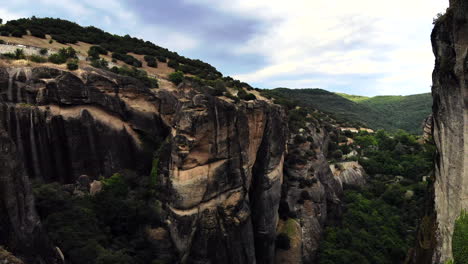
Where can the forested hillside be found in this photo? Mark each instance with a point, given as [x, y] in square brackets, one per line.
[380, 112]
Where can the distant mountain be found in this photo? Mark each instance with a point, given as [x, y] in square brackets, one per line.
[380, 112]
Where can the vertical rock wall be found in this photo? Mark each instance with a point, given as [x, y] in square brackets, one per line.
[450, 127]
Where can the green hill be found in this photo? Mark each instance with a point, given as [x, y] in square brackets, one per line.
[380, 112]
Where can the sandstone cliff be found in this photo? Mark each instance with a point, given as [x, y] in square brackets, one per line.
[220, 162]
[20, 227]
[450, 93]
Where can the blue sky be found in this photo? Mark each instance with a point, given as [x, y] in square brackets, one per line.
[363, 47]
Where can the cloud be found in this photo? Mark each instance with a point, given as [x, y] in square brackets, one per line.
[362, 46]
[340, 38]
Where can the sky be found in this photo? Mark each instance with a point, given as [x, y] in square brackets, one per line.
[362, 47]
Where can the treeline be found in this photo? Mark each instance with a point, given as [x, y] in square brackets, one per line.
[67, 32]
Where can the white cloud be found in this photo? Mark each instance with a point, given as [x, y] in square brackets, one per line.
[341, 37]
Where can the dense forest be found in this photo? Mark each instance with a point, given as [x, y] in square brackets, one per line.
[380, 112]
[380, 220]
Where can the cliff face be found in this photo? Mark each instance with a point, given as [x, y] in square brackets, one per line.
[20, 227]
[450, 92]
[220, 163]
[311, 194]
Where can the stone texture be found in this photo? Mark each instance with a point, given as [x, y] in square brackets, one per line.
[311, 193]
[221, 164]
[450, 93]
[20, 227]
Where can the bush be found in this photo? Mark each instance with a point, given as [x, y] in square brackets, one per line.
[460, 239]
[100, 63]
[2, 41]
[63, 55]
[128, 59]
[176, 77]
[72, 65]
[43, 51]
[37, 59]
[283, 241]
[242, 94]
[19, 54]
[151, 61]
[173, 64]
[17, 34]
[137, 74]
[38, 33]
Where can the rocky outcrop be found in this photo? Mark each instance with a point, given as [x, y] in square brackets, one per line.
[311, 194]
[349, 173]
[220, 162]
[450, 124]
[20, 226]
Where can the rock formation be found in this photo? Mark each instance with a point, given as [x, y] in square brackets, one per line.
[450, 124]
[310, 196]
[20, 226]
[220, 162]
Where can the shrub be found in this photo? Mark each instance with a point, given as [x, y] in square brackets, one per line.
[173, 64]
[37, 59]
[162, 59]
[460, 239]
[2, 41]
[38, 33]
[283, 241]
[63, 55]
[57, 58]
[51, 41]
[242, 94]
[17, 33]
[72, 65]
[176, 77]
[128, 59]
[43, 51]
[151, 61]
[19, 54]
[100, 63]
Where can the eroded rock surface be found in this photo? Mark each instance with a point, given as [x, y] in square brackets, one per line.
[311, 193]
[450, 124]
[20, 227]
[221, 163]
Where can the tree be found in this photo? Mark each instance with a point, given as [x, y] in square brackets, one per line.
[19, 54]
[176, 77]
[72, 65]
[43, 51]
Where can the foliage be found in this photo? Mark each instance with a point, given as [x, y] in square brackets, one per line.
[460, 239]
[397, 154]
[64, 31]
[37, 59]
[19, 54]
[72, 65]
[176, 77]
[128, 59]
[380, 112]
[137, 74]
[106, 228]
[242, 94]
[63, 55]
[151, 61]
[43, 51]
[100, 63]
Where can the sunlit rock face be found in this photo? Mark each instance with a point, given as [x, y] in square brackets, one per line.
[221, 163]
[450, 92]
